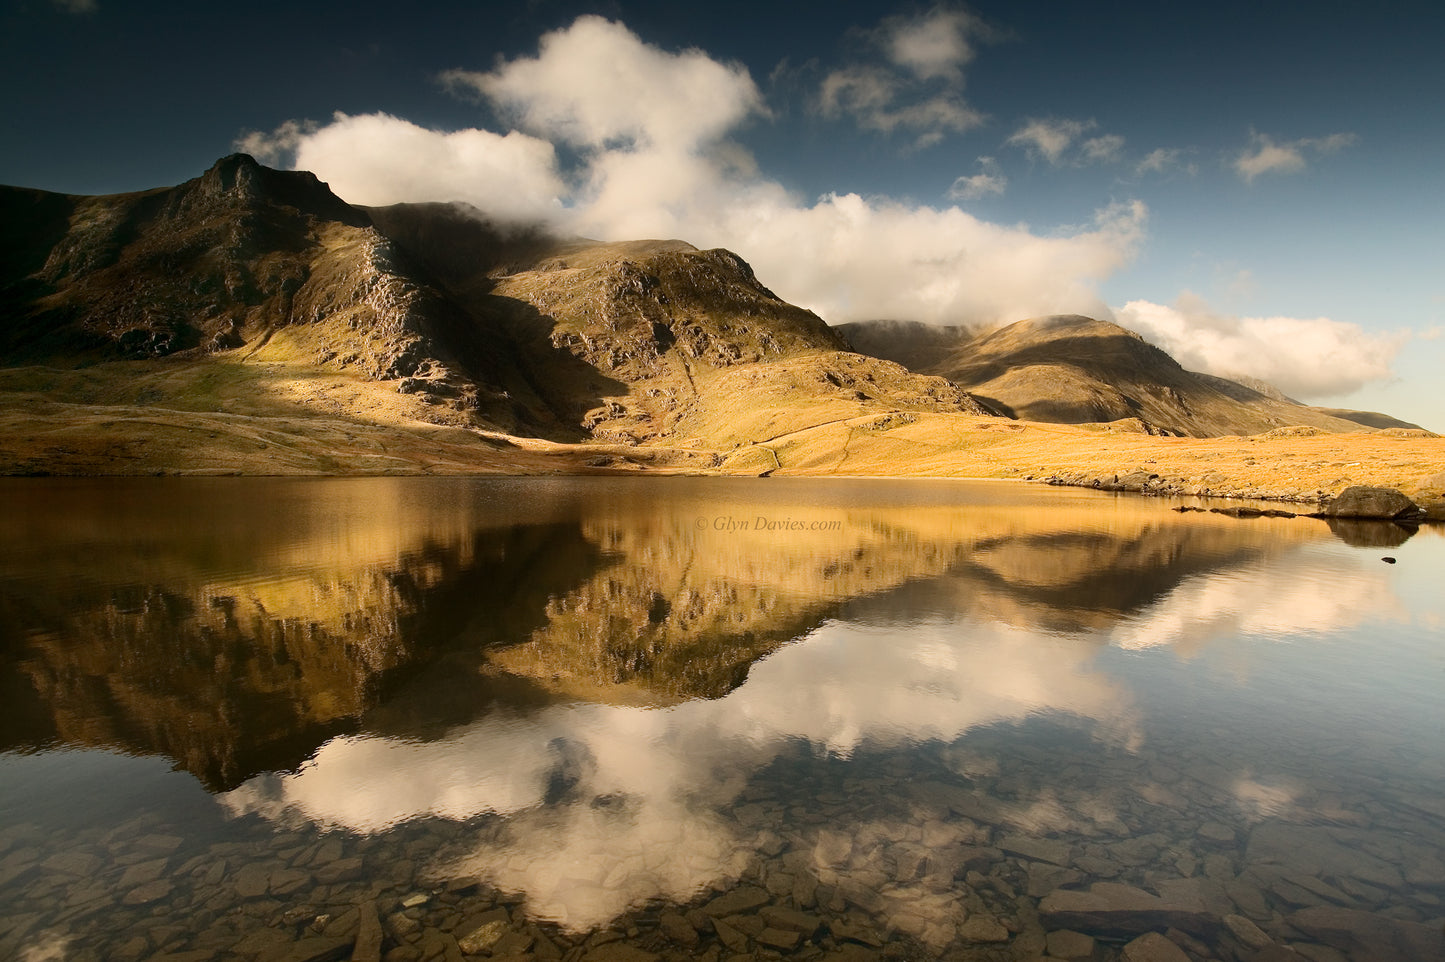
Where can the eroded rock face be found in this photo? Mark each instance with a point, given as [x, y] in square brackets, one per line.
[1362, 501]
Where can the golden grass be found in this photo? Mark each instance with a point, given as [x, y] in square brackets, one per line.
[277, 413]
[943, 445]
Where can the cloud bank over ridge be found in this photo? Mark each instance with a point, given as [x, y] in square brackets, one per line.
[614, 138]
[649, 131]
[1306, 358]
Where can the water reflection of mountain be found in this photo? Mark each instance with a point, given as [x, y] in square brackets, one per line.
[1071, 581]
[234, 636]
[234, 626]
[681, 613]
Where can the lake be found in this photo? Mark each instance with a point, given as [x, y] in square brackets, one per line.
[626, 719]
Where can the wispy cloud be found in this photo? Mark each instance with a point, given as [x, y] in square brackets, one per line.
[989, 180]
[1053, 138]
[877, 100]
[1047, 138]
[935, 45]
[1164, 160]
[76, 6]
[1308, 358]
[1266, 156]
[916, 85]
[1103, 150]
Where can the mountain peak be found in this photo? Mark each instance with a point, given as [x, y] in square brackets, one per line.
[240, 179]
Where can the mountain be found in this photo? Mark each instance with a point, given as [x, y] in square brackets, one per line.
[1075, 370]
[249, 292]
[654, 341]
[243, 263]
[249, 321]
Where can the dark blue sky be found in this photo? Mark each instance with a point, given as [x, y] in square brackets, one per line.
[1300, 145]
[142, 93]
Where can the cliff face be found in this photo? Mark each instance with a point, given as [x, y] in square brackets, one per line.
[219, 266]
[206, 264]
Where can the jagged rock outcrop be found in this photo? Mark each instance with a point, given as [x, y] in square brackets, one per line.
[225, 262]
[148, 274]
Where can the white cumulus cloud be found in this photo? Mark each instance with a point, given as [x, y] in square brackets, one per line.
[377, 159]
[649, 156]
[1306, 358]
[597, 84]
[1266, 156]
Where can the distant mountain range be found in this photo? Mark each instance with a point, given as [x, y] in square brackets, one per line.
[1073, 369]
[250, 292]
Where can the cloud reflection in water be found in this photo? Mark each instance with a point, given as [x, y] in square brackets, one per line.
[609, 805]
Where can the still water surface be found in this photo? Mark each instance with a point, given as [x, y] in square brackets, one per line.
[705, 718]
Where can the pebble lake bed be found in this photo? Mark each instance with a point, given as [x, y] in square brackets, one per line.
[579, 719]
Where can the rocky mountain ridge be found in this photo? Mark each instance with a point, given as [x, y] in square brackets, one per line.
[491, 328]
[1075, 369]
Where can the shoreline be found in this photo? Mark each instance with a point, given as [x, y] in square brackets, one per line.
[1287, 466]
[1154, 486]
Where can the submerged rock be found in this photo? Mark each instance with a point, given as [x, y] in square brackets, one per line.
[1068, 944]
[1367, 936]
[1112, 908]
[1153, 947]
[1318, 851]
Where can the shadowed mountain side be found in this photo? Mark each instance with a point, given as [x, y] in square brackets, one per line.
[1252, 386]
[914, 344]
[249, 263]
[662, 331]
[1074, 370]
[1370, 419]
